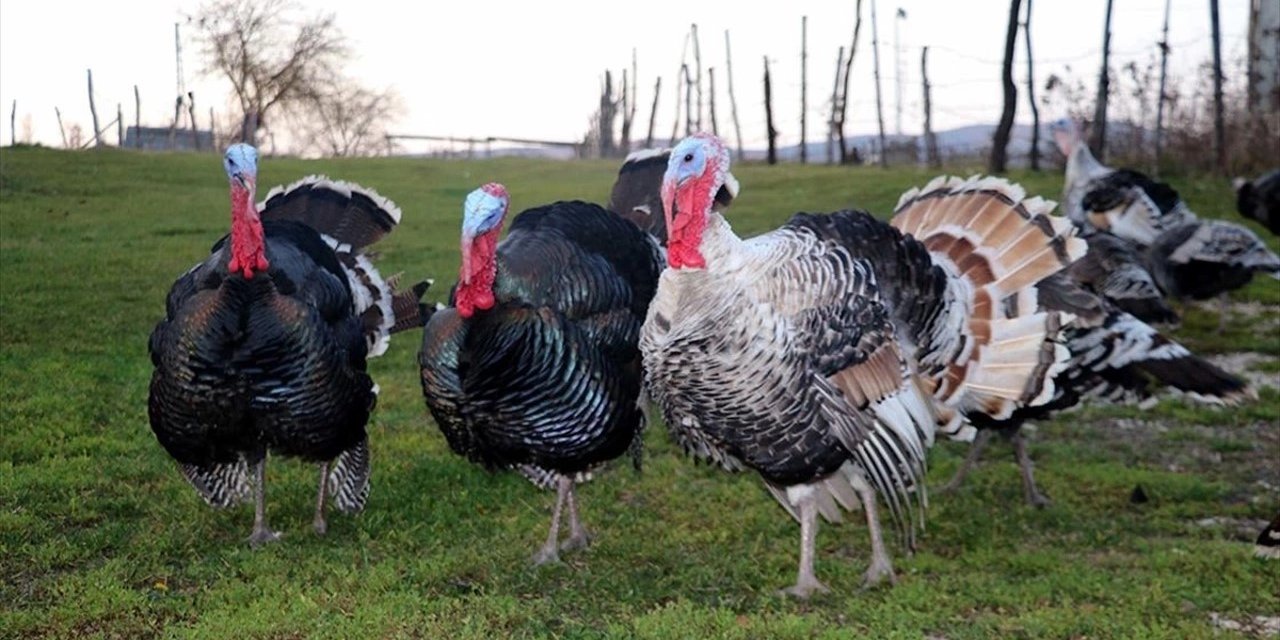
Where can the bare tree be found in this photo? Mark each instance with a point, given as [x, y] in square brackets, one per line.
[1099, 142]
[848, 155]
[341, 118]
[835, 108]
[272, 57]
[1031, 94]
[1000, 141]
[711, 96]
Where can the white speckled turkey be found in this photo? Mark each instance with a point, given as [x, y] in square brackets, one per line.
[825, 355]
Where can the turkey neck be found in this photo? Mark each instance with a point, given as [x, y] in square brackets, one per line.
[716, 244]
[247, 251]
[479, 268]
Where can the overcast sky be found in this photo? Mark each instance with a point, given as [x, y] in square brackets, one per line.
[533, 69]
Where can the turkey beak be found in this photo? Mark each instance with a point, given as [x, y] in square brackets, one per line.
[669, 201]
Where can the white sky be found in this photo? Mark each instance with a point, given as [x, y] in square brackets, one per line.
[533, 68]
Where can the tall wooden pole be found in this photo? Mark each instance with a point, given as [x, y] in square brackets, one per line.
[1164, 69]
[137, 117]
[653, 112]
[1099, 142]
[13, 129]
[697, 61]
[835, 109]
[930, 140]
[804, 86]
[733, 102]
[93, 111]
[1031, 95]
[690, 124]
[1219, 130]
[119, 125]
[61, 130]
[768, 115]
[213, 131]
[711, 107]
[675, 125]
[875, 58]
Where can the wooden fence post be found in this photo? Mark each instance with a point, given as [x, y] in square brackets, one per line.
[768, 115]
[93, 110]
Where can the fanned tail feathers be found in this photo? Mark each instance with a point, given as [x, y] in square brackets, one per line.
[353, 215]
[348, 481]
[996, 244]
[221, 485]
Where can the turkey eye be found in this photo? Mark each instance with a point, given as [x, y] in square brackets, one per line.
[688, 157]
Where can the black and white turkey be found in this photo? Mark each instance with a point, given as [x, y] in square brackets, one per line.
[1259, 199]
[1115, 356]
[827, 354]
[263, 345]
[534, 366]
[1190, 257]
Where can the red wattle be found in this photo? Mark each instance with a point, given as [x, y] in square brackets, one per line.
[248, 252]
[684, 230]
[475, 289]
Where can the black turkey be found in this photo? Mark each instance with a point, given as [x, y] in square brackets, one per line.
[1259, 199]
[264, 343]
[534, 366]
[825, 355]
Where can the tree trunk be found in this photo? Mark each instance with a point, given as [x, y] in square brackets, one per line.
[606, 116]
[1031, 95]
[768, 115]
[13, 129]
[1264, 59]
[1219, 130]
[847, 155]
[195, 127]
[835, 108]
[93, 111]
[624, 138]
[1160, 99]
[1099, 143]
[1000, 141]
[213, 131]
[653, 112]
[733, 102]
[119, 125]
[804, 86]
[930, 140]
[675, 124]
[875, 60]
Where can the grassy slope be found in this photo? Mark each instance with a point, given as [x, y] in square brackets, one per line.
[99, 535]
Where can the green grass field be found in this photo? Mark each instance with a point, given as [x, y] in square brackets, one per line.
[101, 537]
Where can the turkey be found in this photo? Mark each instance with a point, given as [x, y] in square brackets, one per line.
[827, 354]
[1189, 257]
[1114, 270]
[264, 343]
[1125, 202]
[1114, 357]
[1260, 199]
[1268, 543]
[534, 366]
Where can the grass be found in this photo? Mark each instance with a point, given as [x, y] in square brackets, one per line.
[100, 536]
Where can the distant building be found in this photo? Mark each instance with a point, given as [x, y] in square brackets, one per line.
[157, 139]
